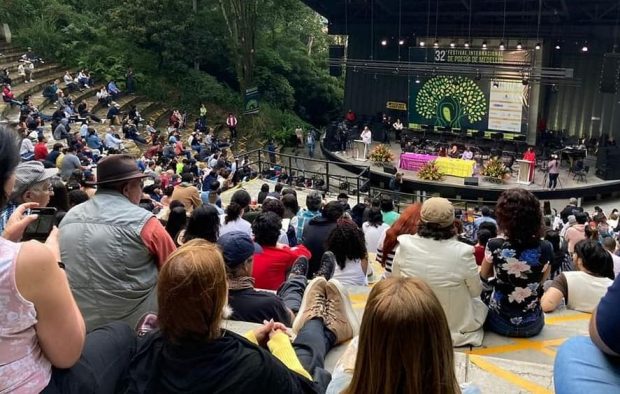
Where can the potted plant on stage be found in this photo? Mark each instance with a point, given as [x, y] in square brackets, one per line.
[430, 172]
[381, 155]
[494, 171]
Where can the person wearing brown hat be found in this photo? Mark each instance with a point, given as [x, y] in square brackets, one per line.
[113, 248]
[448, 266]
[32, 184]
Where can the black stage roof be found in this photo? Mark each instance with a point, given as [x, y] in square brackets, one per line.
[558, 18]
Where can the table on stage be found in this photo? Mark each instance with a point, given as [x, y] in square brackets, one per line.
[414, 161]
[455, 167]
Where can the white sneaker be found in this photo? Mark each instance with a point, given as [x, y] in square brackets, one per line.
[87, 87]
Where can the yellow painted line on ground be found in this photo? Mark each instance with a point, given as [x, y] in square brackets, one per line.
[568, 318]
[508, 376]
[519, 344]
[358, 298]
[547, 351]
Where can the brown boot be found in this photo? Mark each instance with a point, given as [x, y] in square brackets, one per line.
[340, 318]
[313, 303]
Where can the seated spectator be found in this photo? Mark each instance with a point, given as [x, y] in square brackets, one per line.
[405, 316]
[51, 91]
[70, 84]
[275, 260]
[291, 208]
[187, 193]
[61, 132]
[373, 229]
[40, 149]
[114, 91]
[587, 285]
[317, 230]
[113, 113]
[257, 306]
[591, 365]
[103, 97]
[276, 206]
[430, 255]
[26, 150]
[344, 200]
[70, 163]
[5, 77]
[346, 241]
[8, 96]
[233, 219]
[610, 245]
[177, 219]
[84, 79]
[387, 210]
[112, 142]
[38, 309]
[407, 223]
[576, 232]
[32, 185]
[562, 260]
[264, 192]
[130, 130]
[204, 223]
[94, 142]
[520, 263]
[194, 342]
[77, 197]
[481, 245]
[53, 155]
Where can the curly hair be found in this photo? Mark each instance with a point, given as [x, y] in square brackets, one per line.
[346, 241]
[435, 231]
[407, 223]
[519, 216]
[266, 228]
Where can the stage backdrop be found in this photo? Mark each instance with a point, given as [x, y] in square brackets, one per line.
[462, 102]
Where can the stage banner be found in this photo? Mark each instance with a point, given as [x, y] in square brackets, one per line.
[461, 102]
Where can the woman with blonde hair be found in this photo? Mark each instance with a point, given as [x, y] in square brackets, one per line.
[404, 345]
[191, 352]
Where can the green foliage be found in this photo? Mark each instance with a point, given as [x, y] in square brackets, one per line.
[450, 99]
[164, 40]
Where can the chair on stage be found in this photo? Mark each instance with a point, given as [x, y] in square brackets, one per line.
[582, 175]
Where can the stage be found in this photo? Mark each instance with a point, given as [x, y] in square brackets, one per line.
[454, 187]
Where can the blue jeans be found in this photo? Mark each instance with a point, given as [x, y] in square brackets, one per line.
[500, 326]
[581, 367]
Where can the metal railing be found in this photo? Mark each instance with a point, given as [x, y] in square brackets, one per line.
[403, 200]
[324, 175]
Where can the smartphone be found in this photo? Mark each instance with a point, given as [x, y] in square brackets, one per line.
[40, 229]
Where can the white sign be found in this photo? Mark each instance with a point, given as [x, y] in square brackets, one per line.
[506, 106]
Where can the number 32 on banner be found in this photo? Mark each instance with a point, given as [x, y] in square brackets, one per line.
[440, 55]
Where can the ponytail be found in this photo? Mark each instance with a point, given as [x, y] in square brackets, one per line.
[233, 211]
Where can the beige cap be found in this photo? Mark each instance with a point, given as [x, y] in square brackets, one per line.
[437, 210]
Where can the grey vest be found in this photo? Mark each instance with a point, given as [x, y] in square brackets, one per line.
[111, 272]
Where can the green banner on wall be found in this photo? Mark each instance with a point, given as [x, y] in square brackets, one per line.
[250, 101]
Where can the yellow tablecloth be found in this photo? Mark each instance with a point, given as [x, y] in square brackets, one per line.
[455, 167]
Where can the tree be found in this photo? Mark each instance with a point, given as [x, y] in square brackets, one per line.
[240, 17]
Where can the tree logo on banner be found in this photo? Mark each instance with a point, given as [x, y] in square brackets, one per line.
[450, 100]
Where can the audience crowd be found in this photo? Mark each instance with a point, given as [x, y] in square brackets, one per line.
[129, 290]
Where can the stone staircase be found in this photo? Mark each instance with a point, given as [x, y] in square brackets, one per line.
[46, 73]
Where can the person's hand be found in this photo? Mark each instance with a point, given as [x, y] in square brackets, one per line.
[52, 243]
[278, 327]
[265, 332]
[19, 221]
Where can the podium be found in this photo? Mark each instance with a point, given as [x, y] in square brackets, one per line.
[360, 145]
[525, 172]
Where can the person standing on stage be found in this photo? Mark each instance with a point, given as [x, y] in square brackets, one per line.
[398, 128]
[366, 137]
[530, 155]
[554, 171]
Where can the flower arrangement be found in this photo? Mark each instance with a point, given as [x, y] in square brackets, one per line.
[494, 170]
[381, 154]
[430, 172]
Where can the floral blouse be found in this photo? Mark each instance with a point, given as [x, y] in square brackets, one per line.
[518, 273]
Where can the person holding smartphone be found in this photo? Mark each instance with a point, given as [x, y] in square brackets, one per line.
[43, 343]
[32, 184]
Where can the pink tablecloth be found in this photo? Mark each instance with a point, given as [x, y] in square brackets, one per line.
[414, 161]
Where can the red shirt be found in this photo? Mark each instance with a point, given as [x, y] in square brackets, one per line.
[271, 265]
[479, 253]
[40, 151]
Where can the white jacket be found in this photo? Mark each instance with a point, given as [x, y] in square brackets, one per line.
[449, 268]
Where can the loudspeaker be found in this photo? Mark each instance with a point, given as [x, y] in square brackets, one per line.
[609, 75]
[471, 181]
[390, 169]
